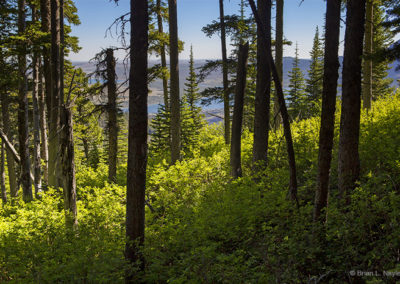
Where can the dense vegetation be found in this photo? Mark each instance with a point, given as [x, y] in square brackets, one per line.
[203, 227]
[294, 185]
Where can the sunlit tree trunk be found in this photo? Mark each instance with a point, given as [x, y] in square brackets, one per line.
[330, 82]
[112, 116]
[137, 137]
[349, 162]
[12, 175]
[163, 56]
[44, 150]
[3, 175]
[55, 96]
[263, 88]
[36, 128]
[174, 87]
[45, 11]
[236, 164]
[227, 112]
[23, 110]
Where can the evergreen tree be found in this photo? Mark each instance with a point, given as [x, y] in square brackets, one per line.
[382, 39]
[315, 73]
[298, 107]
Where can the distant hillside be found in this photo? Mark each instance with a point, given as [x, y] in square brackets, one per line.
[215, 78]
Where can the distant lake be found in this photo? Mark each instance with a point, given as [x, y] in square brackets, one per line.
[152, 109]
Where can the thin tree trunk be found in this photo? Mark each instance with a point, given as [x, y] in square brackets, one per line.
[137, 137]
[3, 176]
[36, 116]
[227, 112]
[175, 98]
[43, 131]
[263, 87]
[55, 98]
[68, 166]
[369, 41]
[349, 162]
[23, 110]
[330, 82]
[60, 168]
[283, 110]
[12, 176]
[112, 116]
[237, 121]
[278, 58]
[163, 56]
[13, 152]
[46, 27]
[36, 128]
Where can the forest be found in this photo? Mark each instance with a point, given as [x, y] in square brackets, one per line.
[297, 183]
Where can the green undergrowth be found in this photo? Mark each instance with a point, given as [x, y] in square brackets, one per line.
[203, 227]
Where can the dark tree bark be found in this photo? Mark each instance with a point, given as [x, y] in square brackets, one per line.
[3, 175]
[283, 110]
[263, 87]
[23, 110]
[45, 11]
[137, 137]
[55, 95]
[349, 163]
[227, 112]
[330, 81]
[163, 56]
[278, 58]
[369, 42]
[236, 164]
[68, 166]
[112, 116]
[174, 87]
[12, 176]
[44, 150]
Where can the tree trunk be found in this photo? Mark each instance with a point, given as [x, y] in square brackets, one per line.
[278, 58]
[175, 98]
[330, 81]
[263, 87]
[36, 128]
[236, 164]
[43, 131]
[112, 116]
[3, 176]
[12, 176]
[369, 41]
[46, 27]
[137, 137]
[68, 166]
[23, 110]
[349, 162]
[227, 112]
[163, 56]
[55, 96]
[283, 110]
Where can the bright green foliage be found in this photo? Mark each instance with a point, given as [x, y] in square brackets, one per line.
[298, 106]
[201, 227]
[314, 81]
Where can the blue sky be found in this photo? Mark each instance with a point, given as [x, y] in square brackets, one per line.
[97, 15]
